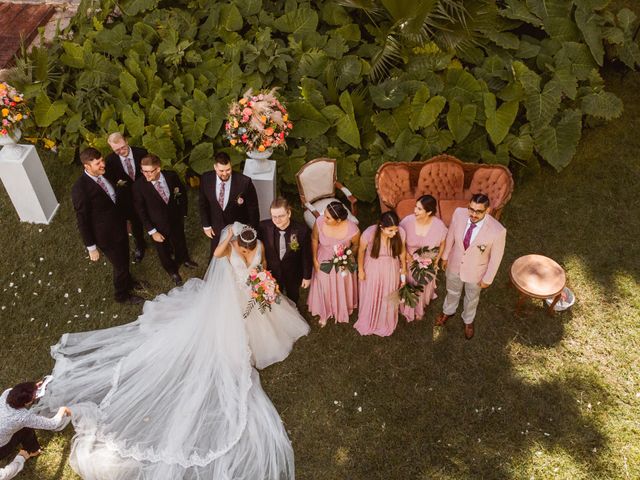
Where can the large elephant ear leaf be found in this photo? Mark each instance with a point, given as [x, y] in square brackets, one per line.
[557, 144]
[460, 119]
[590, 24]
[602, 104]
[425, 110]
[201, 157]
[499, 120]
[45, 112]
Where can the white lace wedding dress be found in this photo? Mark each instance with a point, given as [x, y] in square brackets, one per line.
[173, 395]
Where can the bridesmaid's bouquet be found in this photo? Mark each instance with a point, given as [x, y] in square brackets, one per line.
[264, 290]
[343, 260]
[423, 267]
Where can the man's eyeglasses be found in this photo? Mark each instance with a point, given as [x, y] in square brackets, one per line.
[477, 212]
[151, 171]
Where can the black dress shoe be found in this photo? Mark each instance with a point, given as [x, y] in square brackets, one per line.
[190, 264]
[131, 300]
[138, 255]
[177, 279]
[140, 285]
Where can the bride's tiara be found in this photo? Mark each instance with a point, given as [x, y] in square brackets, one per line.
[248, 234]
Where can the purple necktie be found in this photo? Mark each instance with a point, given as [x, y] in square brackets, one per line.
[221, 195]
[103, 186]
[467, 236]
[161, 191]
[127, 162]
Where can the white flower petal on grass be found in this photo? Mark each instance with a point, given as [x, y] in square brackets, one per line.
[79, 290]
[66, 295]
[46, 325]
[359, 409]
[11, 284]
[39, 230]
[3, 307]
[115, 316]
[86, 315]
[42, 259]
[50, 273]
[31, 319]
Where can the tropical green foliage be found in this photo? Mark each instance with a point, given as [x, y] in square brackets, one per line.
[366, 81]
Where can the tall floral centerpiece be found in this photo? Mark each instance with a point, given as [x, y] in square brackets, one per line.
[13, 111]
[257, 123]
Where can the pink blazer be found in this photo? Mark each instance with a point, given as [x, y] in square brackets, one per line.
[481, 260]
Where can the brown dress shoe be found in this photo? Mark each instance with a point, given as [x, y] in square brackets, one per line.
[442, 319]
[468, 331]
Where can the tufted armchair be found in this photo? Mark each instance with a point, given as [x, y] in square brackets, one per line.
[317, 185]
[450, 181]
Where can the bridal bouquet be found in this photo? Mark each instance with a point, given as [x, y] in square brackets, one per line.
[257, 121]
[13, 109]
[343, 260]
[264, 290]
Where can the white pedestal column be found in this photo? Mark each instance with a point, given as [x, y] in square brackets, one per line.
[23, 176]
[263, 175]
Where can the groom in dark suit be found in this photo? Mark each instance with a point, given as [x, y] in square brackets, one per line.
[287, 249]
[123, 169]
[226, 197]
[160, 199]
[101, 223]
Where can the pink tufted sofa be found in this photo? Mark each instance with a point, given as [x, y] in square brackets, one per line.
[450, 181]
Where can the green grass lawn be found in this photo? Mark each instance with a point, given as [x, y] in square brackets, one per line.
[529, 397]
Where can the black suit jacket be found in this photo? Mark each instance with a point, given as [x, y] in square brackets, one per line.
[100, 221]
[116, 175]
[153, 212]
[242, 205]
[295, 265]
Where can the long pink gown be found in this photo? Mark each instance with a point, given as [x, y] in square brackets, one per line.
[332, 294]
[436, 233]
[378, 314]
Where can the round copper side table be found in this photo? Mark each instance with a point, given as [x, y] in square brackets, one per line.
[537, 276]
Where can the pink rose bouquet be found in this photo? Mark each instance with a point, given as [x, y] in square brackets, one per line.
[343, 260]
[264, 290]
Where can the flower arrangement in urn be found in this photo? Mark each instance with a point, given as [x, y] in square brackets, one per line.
[258, 122]
[13, 110]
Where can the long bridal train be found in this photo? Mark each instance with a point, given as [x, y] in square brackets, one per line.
[172, 395]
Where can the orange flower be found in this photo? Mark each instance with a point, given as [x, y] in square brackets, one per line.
[268, 131]
[233, 141]
[263, 119]
[5, 112]
[261, 148]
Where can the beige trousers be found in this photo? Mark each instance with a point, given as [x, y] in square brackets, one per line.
[454, 291]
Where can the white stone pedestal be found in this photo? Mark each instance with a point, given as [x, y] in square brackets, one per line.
[23, 176]
[263, 175]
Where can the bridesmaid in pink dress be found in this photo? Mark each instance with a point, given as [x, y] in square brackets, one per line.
[381, 270]
[333, 294]
[423, 229]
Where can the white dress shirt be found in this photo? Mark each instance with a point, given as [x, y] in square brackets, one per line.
[475, 231]
[112, 194]
[12, 469]
[165, 187]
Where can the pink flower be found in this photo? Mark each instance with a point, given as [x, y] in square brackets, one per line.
[247, 112]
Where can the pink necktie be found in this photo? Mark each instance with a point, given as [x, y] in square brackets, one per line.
[127, 162]
[467, 236]
[221, 195]
[161, 191]
[103, 186]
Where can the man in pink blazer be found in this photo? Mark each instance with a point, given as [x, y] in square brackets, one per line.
[471, 257]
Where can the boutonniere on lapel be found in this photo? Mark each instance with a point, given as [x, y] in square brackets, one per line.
[121, 183]
[176, 192]
[482, 248]
[240, 200]
[294, 245]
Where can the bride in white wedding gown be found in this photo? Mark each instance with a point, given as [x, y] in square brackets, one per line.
[173, 395]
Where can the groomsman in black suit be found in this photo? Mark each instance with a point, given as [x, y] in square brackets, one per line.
[101, 223]
[160, 199]
[226, 197]
[123, 169]
[287, 249]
